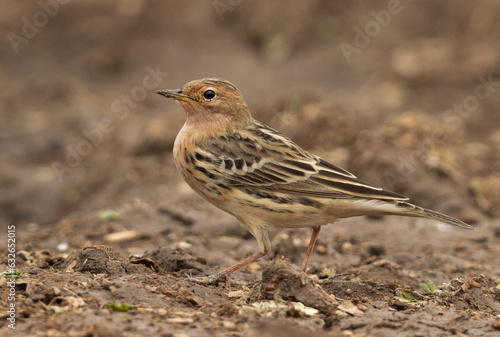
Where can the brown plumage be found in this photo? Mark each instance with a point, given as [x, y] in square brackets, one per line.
[263, 178]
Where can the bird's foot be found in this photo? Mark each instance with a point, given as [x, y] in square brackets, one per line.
[211, 280]
[215, 279]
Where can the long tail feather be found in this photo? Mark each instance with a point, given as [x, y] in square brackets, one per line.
[428, 213]
[417, 211]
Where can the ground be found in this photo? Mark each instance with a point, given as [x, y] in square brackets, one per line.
[403, 94]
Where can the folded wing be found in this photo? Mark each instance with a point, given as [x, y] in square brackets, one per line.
[263, 157]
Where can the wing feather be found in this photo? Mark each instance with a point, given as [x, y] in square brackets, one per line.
[281, 165]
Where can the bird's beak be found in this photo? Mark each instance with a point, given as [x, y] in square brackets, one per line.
[175, 94]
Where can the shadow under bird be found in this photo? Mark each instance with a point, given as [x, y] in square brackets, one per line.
[264, 179]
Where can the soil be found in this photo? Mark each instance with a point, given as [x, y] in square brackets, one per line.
[101, 218]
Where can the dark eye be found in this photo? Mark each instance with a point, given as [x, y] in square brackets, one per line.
[209, 94]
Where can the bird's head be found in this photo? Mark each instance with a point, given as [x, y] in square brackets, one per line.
[211, 100]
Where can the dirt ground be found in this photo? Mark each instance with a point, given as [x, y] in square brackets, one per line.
[107, 235]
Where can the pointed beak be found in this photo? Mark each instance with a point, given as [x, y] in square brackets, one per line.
[175, 94]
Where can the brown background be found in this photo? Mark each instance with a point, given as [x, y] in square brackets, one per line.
[383, 114]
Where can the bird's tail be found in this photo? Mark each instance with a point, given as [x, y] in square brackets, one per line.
[418, 211]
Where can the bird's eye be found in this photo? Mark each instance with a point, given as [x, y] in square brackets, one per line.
[209, 94]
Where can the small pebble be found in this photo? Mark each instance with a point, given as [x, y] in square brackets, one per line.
[321, 250]
[460, 247]
[254, 266]
[235, 294]
[121, 236]
[346, 246]
[184, 245]
[180, 320]
[297, 242]
[63, 247]
[231, 326]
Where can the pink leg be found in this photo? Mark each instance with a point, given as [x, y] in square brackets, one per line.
[243, 263]
[215, 278]
[310, 248]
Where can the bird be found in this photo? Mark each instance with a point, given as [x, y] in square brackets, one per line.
[263, 178]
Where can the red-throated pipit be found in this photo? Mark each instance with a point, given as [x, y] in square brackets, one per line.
[263, 178]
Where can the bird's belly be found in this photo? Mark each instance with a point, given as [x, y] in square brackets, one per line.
[270, 209]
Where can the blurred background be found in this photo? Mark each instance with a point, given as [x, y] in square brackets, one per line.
[403, 94]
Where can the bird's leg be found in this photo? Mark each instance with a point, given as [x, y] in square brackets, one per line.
[215, 278]
[243, 263]
[310, 248]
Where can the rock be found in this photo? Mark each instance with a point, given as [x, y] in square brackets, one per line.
[283, 279]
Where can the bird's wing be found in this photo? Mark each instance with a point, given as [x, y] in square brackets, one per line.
[262, 157]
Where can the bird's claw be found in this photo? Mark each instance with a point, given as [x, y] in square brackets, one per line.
[216, 278]
[207, 280]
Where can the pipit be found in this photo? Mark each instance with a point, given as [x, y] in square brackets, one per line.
[264, 179]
